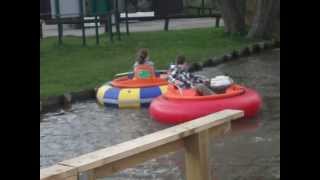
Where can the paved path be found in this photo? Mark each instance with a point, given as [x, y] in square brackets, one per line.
[156, 25]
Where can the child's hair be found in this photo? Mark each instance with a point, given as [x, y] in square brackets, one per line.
[180, 60]
[142, 55]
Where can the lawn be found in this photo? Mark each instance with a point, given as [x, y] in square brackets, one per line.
[73, 67]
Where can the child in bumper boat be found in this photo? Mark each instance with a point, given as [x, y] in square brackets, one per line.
[183, 79]
[143, 58]
[143, 67]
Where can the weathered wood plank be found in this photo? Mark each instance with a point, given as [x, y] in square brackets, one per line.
[56, 172]
[145, 143]
[196, 156]
[131, 161]
[71, 178]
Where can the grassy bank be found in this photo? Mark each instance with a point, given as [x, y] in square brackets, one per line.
[72, 67]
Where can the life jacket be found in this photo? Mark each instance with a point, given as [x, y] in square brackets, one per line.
[144, 71]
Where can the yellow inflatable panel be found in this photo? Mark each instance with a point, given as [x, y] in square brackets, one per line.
[164, 89]
[129, 98]
[101, 92]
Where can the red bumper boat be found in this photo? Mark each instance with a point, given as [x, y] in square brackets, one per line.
[180, 106]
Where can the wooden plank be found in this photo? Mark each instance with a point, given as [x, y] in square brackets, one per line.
[196, 156]
[131, 161]
[72, 178]
[122, 164]
[136, 146]
[56, 172]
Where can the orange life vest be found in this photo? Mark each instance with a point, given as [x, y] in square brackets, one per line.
[144, 71]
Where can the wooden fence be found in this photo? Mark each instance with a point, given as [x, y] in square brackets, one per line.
[192, 136]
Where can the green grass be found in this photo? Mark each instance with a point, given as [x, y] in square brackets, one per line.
[72, 67]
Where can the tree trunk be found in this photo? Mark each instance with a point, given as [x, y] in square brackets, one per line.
[251, 9]
[267, 20]
[233, 14]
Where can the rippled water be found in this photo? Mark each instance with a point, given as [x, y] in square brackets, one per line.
[252, 151]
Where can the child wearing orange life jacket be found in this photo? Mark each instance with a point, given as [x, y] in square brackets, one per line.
[143, 57]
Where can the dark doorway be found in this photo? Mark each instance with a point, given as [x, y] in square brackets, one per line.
[167, 7]
[45, 9]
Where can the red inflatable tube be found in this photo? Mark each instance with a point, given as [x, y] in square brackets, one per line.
[174, 111]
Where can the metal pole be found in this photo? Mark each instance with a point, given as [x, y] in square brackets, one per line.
[97, 29]
[202, 6]
[166, 24]
[117, 19]
[95, 21]
[217, 22]
[126, 12]
[82, 23]
[60, 28]
[110, 27]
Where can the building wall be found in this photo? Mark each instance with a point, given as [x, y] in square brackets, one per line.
[68, 8]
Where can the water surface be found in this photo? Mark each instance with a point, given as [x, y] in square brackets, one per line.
[252, 151]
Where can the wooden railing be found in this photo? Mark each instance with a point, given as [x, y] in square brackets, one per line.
[192, 136]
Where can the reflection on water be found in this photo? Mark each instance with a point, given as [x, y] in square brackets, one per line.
[251, 151]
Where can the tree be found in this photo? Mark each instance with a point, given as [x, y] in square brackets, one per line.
[267, 19]
[233, 13]
[262, 16]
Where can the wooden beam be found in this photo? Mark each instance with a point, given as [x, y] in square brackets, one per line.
[124, 150]
[131, 161]
[56, 172]
[196, 156]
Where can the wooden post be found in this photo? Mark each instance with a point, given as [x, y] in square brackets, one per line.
[60, 28]
[196, 156]
[126, 14]
[91, 175]
[82, 23]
